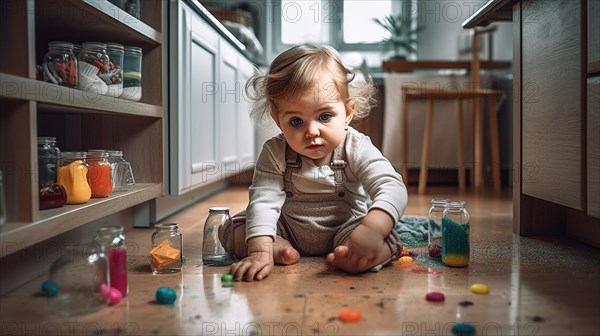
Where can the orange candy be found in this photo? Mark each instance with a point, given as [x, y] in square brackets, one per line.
[349, 315]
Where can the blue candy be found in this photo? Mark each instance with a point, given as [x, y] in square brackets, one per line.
[50, 288]
[463, 329]
[165, 295]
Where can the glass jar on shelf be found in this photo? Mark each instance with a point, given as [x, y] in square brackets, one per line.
[166, 255]
[122, 174]
[48, 158]
[132, 73]
[99, 175]
[115, 53]
[112, 242]
[60, 64]
[73, 176]
[434, 227]
[213, 252]
[93, 65]
[455, 235]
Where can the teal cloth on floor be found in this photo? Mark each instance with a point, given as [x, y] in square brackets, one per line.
[412, 230]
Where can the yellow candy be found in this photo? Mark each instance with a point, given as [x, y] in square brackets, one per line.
[405, 260]
[480, 289]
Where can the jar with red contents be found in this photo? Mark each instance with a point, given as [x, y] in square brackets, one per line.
[99, 174]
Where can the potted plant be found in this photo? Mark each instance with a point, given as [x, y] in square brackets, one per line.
[403, 36]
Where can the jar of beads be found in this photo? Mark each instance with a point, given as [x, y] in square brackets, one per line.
[455, 235]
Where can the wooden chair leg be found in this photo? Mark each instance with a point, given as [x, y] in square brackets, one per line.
[460, 146]
[478, 145]
[404, 136]
[426, 144]
[494, 143]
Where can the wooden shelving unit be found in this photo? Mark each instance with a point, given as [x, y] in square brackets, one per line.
[79, 120]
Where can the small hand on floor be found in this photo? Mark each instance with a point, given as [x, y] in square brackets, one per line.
[364, 249]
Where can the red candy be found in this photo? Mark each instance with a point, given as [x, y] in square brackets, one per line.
[435, 297]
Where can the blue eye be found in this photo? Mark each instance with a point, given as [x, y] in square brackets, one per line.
[295, 122]
[325, 117]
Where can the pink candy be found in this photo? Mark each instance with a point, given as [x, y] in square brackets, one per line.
[435, 297]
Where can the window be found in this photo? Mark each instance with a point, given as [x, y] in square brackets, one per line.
[345, 24]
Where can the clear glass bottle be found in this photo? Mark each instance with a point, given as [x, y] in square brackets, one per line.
[115, 53]
[99, 174]
[133, 7]
[112, 242]
[132, 73]
[122, 174]
[213, 252]
[60, 64]
[166, 255]
[73, 176]
[81, 277]
[455, 235]
[434, 227]
[93, 65]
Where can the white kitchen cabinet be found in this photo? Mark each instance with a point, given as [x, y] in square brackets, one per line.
[208, 114]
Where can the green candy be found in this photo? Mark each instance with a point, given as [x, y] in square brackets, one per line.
[227, 278]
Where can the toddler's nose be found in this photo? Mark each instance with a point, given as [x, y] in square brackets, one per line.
[312, 131]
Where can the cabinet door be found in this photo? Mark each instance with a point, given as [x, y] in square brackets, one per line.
[229, 99]
[552, 96]
[204, 99]
[245, 126]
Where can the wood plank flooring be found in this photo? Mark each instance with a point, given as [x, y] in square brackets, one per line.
[539, 286]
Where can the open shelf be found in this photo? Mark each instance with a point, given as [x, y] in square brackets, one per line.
[16, 87]
[52, 222]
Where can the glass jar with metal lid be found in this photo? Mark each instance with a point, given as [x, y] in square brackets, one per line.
[60, 64]
[115, 53]
[132, 73]
[93, 65]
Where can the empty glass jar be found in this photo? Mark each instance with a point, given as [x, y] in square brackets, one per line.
[81, 277]
[213, 252]
[122, 174]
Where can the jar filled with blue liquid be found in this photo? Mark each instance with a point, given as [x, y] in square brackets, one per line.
[213, 252]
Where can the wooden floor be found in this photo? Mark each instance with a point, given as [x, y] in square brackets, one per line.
[539, 286]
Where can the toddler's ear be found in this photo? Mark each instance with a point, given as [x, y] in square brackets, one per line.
[350, 107]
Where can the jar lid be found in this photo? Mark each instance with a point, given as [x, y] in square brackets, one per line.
[73, 154]
[87, 45]
[110, 229]
[167, 226]
[114, 152]
[46, 139]
[114, 45]
[218, 209]
[456, 204]
[60, 44]
[439, 201]
[97, 154]
[133, 50]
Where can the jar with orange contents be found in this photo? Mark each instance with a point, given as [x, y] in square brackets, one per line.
[100, 173]
[73, 176]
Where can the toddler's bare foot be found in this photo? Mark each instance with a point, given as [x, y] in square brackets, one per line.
[343, 258]
[285, 255]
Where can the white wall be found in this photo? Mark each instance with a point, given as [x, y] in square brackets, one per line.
[442, 21]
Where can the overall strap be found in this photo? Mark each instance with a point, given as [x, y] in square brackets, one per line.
[338, 164]
[292, 160]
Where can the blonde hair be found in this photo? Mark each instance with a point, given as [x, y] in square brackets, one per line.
[296, 70]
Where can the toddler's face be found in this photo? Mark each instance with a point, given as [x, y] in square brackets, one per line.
[314, 123]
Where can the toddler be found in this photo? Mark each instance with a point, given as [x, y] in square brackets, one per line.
[312, 182]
